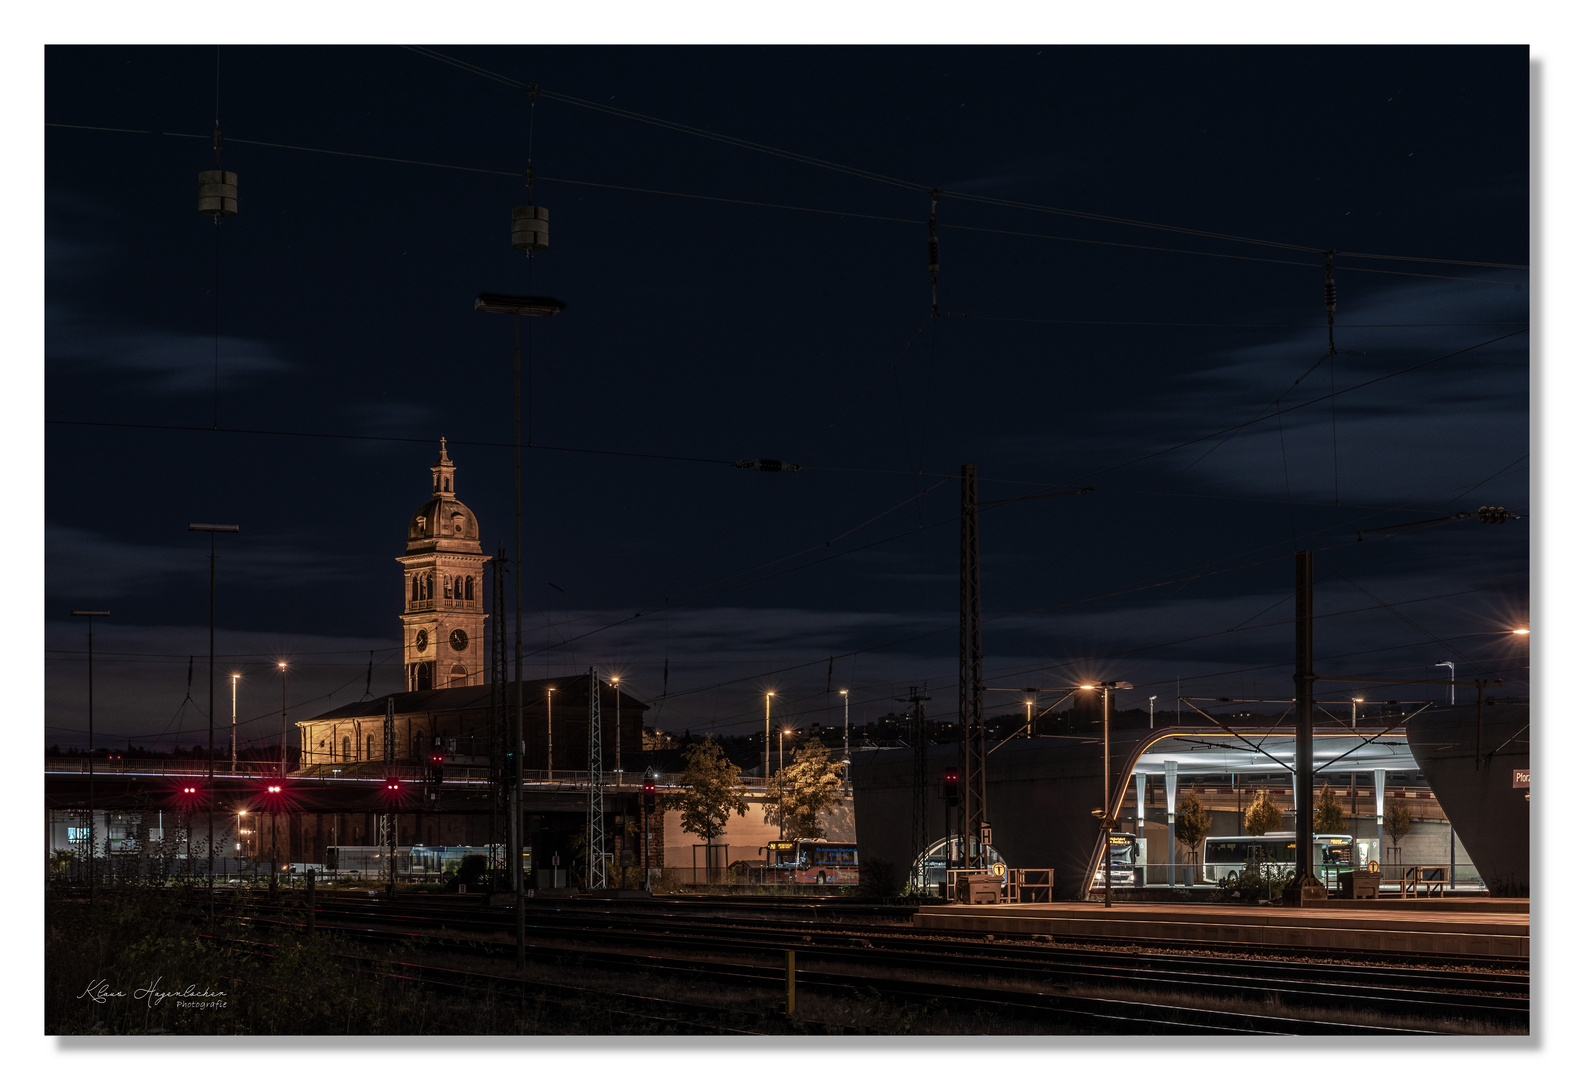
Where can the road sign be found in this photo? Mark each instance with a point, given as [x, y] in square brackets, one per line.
[986, 834]
[1522, 778]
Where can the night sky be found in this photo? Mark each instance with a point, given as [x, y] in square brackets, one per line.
[1131, 269]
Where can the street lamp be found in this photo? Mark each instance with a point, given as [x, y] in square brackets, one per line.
[617, 728]
[549, 731]
[1151, 700]
[768, 695]
[1106, 814]
[234, 678]
[1355, 705]
[846, 720]
[533, 307]
[213, 556]
[781, 757]
[92, 804]
[284, 729]
[1449, 664]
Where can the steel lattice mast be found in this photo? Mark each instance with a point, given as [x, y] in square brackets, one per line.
[595, 840]
[970, 680]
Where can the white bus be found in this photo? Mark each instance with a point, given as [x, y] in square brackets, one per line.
[1125, 853]
[1224, 857]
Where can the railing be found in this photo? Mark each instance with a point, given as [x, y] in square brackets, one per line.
[1423, 881]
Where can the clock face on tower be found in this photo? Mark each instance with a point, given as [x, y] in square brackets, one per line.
[459, 639]
[420, 641]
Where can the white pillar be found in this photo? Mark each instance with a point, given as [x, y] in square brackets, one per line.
[1379, 777]
[1171, 775]
[1141, 780]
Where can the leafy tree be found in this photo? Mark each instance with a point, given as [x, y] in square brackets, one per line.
[1397, 824]
[1192, 821]
[1263, 815]
[1328, 816]
[712, 790]
[802, 791]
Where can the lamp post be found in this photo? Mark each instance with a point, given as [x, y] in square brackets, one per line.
[781, 759]
[549, 731]
[283, 725]
[1355, 707]
[213, 555]
[1153, 698]
[1449, 664]
[534, 307]
[768, 695]
[617, 728]
[846, 728]
[1028, 702]
[234, 679]
[92, 803]
[1107, 814]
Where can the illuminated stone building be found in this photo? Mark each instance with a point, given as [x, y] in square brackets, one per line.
[444, 590]
[448, 704]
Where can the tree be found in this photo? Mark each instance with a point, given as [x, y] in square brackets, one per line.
[1263, 815]
[799, 793]
[1397, 824]
[1192, 821]
[1328, 817]
[712, 790]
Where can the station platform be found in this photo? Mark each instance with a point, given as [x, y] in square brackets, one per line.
[1466, 928]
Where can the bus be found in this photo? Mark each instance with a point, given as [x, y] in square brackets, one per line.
[1224, 857]
[810, 862]
[1123, 852]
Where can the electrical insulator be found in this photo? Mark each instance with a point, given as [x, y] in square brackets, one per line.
[768, 465]
[530, 228]
[216, 197]
[1328, 295]
[1492, 515]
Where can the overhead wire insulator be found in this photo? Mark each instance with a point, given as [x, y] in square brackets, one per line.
[530, 220]
[216, 189]
[767, 465]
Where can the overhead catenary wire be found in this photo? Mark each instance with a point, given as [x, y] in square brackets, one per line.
[841, 213]
[911, 184]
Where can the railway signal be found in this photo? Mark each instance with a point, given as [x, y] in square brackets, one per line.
[952, 782]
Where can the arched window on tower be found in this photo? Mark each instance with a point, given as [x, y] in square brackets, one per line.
[469, 588]
[448, 587]
[415, 589]
[457, 676]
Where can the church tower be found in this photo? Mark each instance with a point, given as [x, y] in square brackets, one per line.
[444, 620]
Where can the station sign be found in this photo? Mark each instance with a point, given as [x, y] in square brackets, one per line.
[986, 834]
[1521, 778]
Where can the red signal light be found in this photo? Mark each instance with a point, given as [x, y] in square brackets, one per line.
[650, 787]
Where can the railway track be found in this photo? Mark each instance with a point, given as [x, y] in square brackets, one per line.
[1114, 990]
